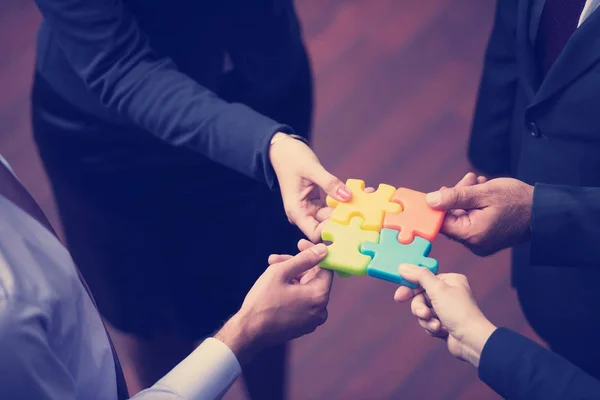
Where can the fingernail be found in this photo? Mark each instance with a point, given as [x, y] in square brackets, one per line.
[319, 249]
[434, 198]
[344, 192]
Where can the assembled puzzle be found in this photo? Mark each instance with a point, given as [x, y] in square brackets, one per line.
[374, 233]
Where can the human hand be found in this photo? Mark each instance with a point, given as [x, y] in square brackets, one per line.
[287, 301]
[445, 307]
[486, 217]
[302, 179]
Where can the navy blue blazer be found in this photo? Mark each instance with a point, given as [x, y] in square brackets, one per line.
[159, 65]
[518, 368]
[547, 134]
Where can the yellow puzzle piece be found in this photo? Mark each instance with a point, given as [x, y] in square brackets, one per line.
[344, 253]
[371, 207]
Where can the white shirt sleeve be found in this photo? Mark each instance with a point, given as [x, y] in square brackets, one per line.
[206, 374]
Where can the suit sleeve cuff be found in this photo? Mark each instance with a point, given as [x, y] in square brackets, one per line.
[258, 131]
[207, 373]
[500, 358]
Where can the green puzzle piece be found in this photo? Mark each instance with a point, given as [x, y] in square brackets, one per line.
[388, 254]
[344, 253]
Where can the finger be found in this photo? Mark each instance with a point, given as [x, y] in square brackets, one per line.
[323, 214]
[419, 308]
[423, 277]
[328, 182]
[369, 189]
[308, 276]
[432, 325]
[302, 261]
[309, 226]
[469, 179]
[304, 244]
[322, 280]
[464, 197]
[457, 228]
[481, 179]
[277, 258]
[404, 293]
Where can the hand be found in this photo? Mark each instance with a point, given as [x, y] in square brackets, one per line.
[301, 178]
[287, 301]
[486, 217]
[445, 307]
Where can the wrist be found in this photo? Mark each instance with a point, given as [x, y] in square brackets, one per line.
[475, 339]
[528, 211]
[278, 142]
[242, 339]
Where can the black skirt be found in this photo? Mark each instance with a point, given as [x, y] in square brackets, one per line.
[167, 240]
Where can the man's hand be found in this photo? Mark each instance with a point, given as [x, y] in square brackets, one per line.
[289, 300]
[445, 307]
[302, 180]
[486, 217]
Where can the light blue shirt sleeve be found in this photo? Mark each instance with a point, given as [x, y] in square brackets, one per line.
[29, 368]
[53, 345]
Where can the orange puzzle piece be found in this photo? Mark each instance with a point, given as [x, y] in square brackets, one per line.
[416, 219]
[371, 207]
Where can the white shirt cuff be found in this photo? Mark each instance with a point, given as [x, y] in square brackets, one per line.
[206, 374]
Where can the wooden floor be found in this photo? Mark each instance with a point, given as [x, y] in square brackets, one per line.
[396, 83]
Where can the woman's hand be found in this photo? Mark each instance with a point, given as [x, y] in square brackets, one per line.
[445, 307]
[302, 180]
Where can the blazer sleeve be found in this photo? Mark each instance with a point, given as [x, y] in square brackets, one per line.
[489, 144]
[105, 46]
[518, 368]
[565, 225]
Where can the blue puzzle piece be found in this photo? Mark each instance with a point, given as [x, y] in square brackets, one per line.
[388, 254]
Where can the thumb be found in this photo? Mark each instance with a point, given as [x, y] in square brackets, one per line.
[329, 183]
[462, 197]
[303, 261]
[423, 277]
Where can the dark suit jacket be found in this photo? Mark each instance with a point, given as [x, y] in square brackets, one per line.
[545, 134]
[518, 368]
[160, 65]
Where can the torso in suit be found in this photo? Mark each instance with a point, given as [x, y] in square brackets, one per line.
[545, 130]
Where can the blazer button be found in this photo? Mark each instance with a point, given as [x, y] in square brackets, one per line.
[533, 129]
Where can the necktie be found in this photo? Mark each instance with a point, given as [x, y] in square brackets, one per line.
[558, 22]
[12, 189]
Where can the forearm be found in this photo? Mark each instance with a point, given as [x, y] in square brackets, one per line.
[518, 368]
[106, 48]
[565, 225]
[211, 369]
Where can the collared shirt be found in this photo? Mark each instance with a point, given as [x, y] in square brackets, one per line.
[53, 344]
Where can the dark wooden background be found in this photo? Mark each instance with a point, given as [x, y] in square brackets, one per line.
[396, 83]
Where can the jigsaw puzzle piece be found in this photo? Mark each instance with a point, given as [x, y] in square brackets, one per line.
[388, 254]
[416, 218]
[371, 207]
[344, 254]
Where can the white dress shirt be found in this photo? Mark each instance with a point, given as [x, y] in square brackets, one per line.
[53, 344]
[590, 7]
